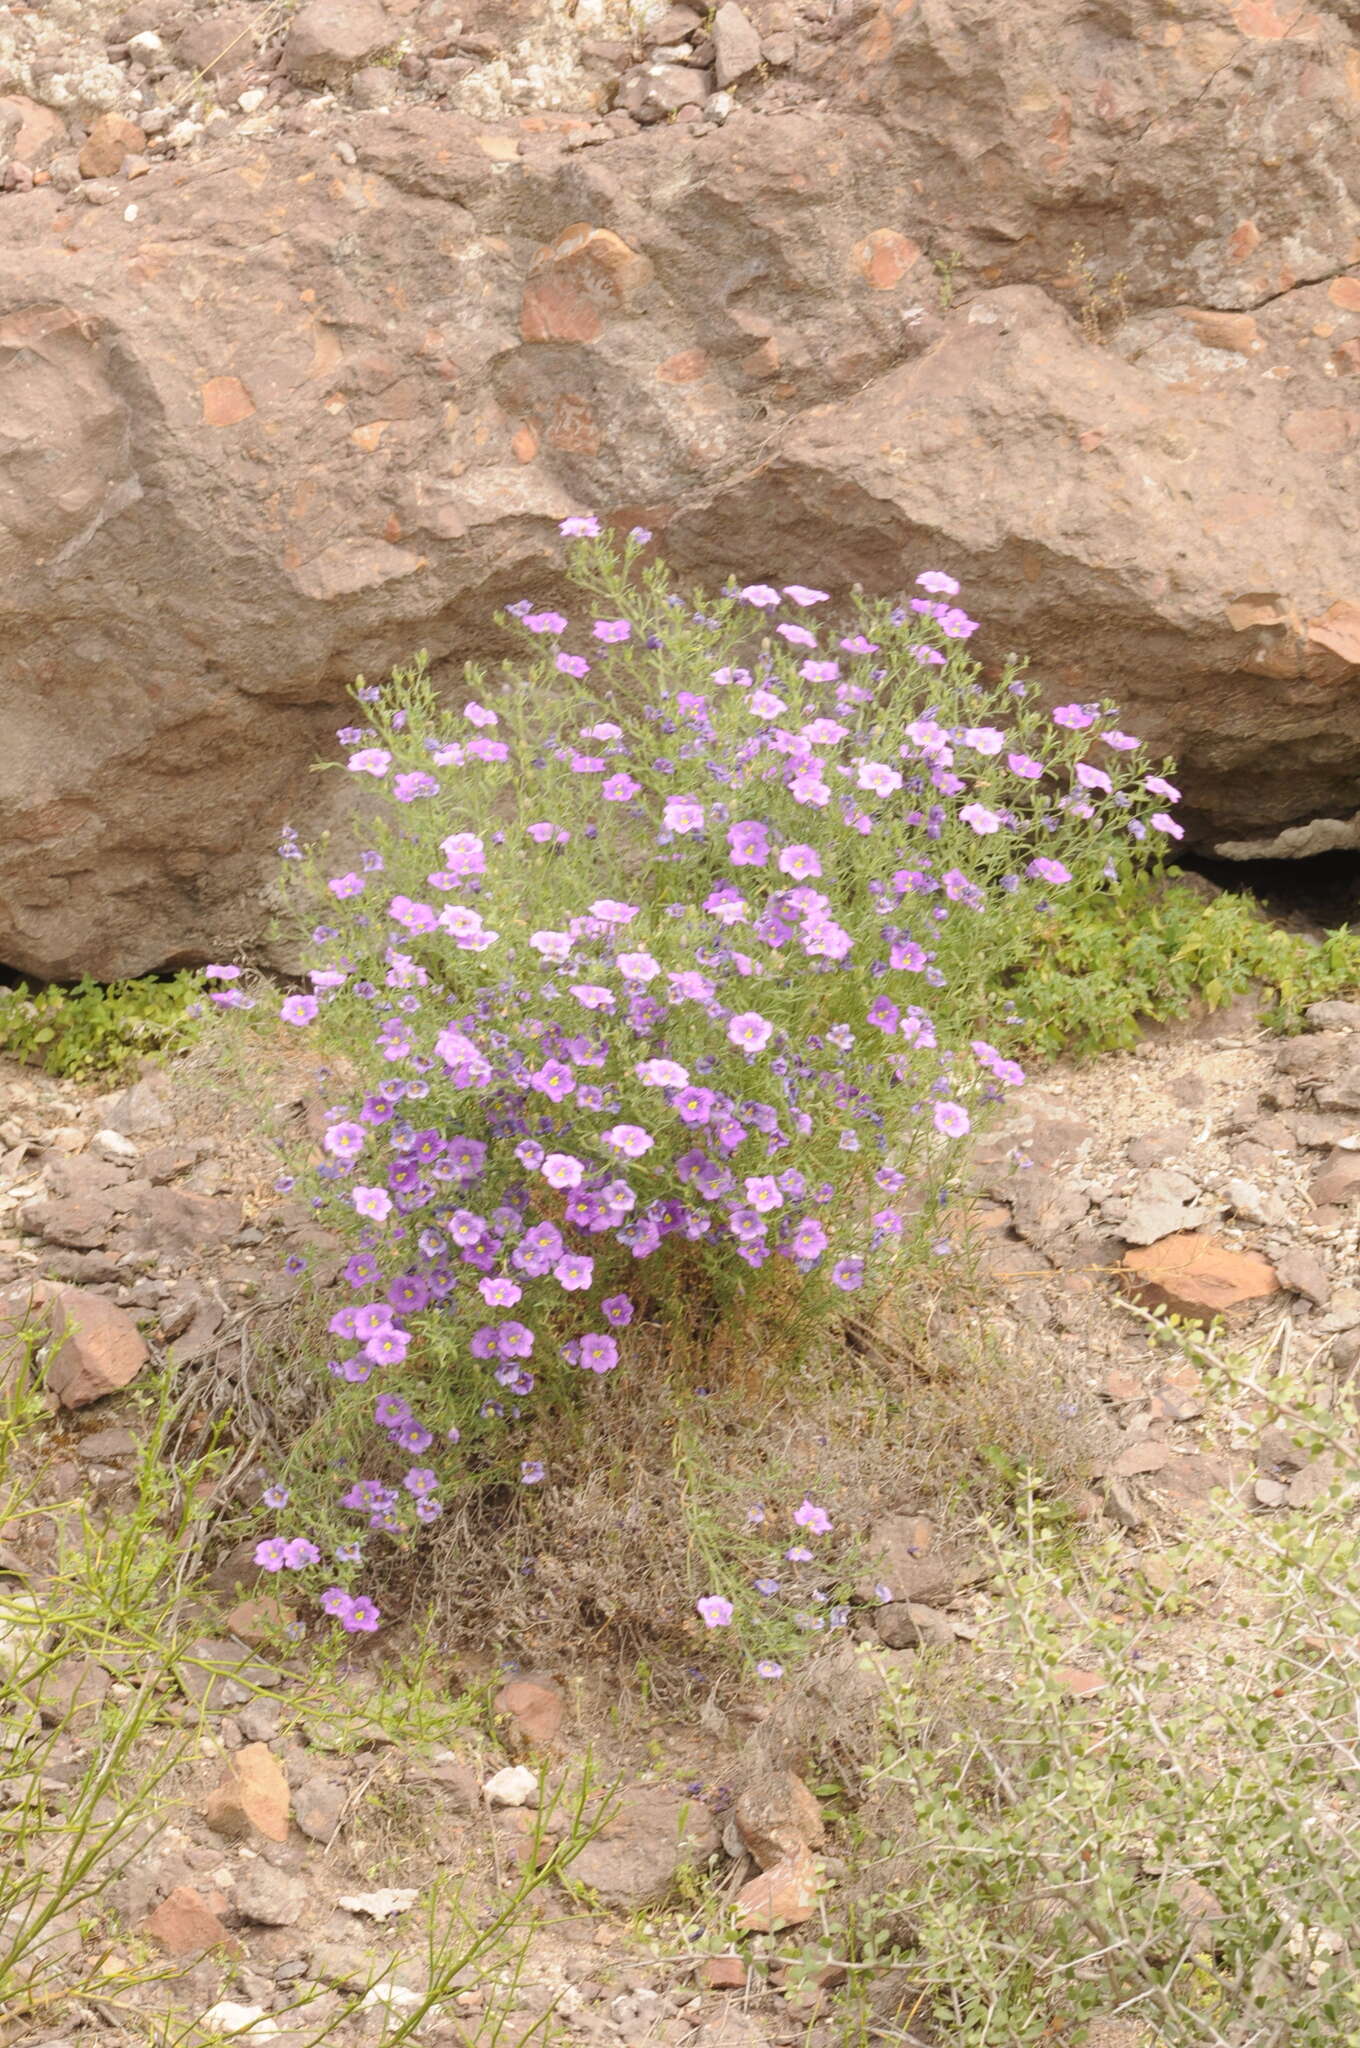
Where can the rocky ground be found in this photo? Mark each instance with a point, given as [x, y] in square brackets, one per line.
[322, 1829]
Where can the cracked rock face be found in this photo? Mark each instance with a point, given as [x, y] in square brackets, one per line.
[1066, 303]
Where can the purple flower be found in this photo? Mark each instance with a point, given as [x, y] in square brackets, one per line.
[940, 585]
[374, 1202]
[769, 1667]
[574, 1271]
[532, 1472]
[629, 1139]
[801, 862]
[809, 1240]
[617, 1309]
[799, 593]
[749, 1030]
[345, 1141]
[370, 761]
[545, 622]
[299, 1009]
[581, 526]
[572, 665]
[620, 789]
[683, 814]
[361, 1618]
[749, 843]
[1162, 822]
[951, 1120]
[1042, 869]
[809, 1516]
[1157, 785]
[300, 1553]
[1074, 717]
[980, 819]
[760, 594]
[714, 1611]
[407, 788]
[563, 1170]
[597, 1353]
[219, 973]
[272, 1554]
[848, 1274]
[613, 630]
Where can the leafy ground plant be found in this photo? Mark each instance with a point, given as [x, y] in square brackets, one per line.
[636, 1023]
[93, 1028]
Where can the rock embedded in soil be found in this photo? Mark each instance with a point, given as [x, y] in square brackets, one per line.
[252, 1797]
[638, 1855]
[270, 1897]
[1195, 1274]
[531, 1710]
[319, 1808]
[97, 1347]
[736, 45]
[1163, 1202]
[1302, 1272]
[330, 39]
[910, 1625]
[785, 1895]
[187, 1924]
[776, 1815]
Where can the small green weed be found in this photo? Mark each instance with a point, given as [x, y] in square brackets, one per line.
[99, 1028]
[1148, 948]
[1178, 1846]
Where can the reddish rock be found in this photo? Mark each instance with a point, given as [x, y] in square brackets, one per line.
[998, 440]
[259, 1620]
[1337, 1180]
[97, 1348]
[1237, 333]
[884, 258]
[736, 45]
[219, 45]
[534, 1707]
[252, 1797]
[1303, 1272]
[40, 133]
[70, 1691]
[785, 1895]
[776, 1816]
[576, 283]
[723, 1973]
[110, 140]
[1195, 1274]
[330, 39]
[1080, 1684]
[647, 1841]
[186, 1924]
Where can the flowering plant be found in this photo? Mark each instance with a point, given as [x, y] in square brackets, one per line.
[647, 1011]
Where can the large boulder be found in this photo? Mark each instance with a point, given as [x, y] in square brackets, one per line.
[1064, 300]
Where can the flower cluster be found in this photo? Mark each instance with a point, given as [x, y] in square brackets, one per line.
[644, 1003]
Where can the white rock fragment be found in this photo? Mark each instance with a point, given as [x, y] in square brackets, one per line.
[383, 1905]
[252, 100]
[517, 1785]
[112, 1144]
